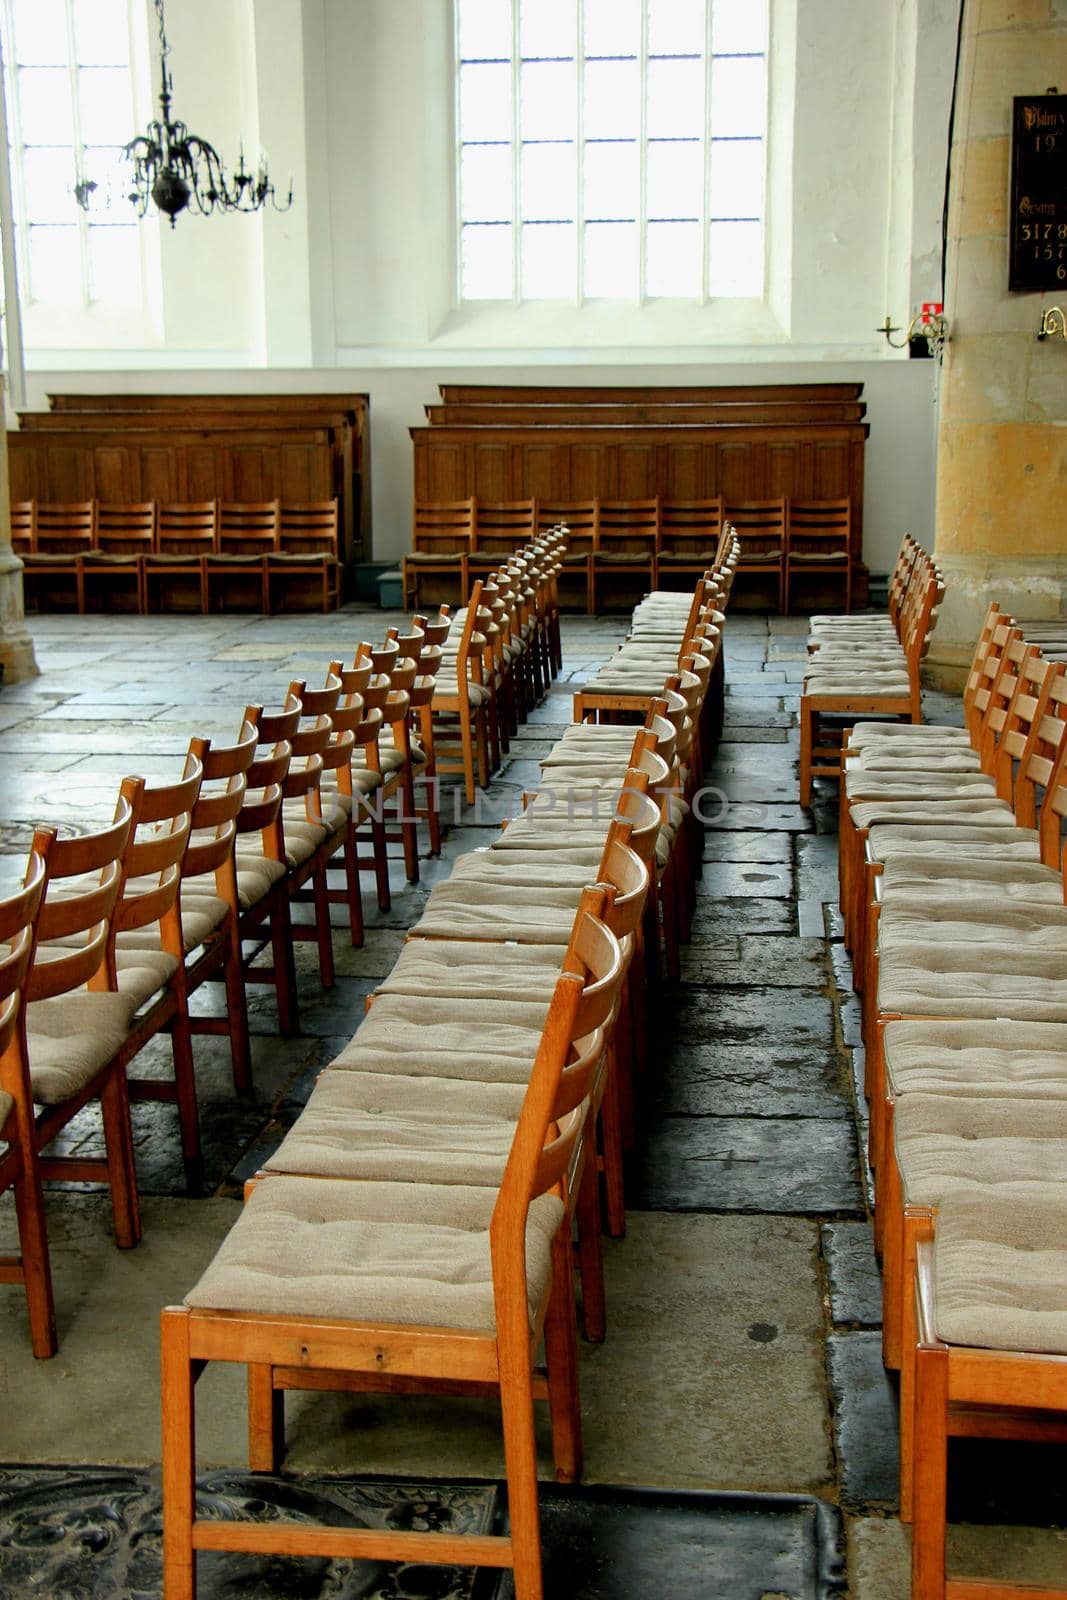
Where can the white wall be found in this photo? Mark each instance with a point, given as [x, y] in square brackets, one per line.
[354, 289]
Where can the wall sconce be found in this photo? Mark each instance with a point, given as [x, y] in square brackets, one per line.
[1053, 321]
[928, 326]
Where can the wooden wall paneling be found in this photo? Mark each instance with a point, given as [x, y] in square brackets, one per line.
[734, 476]
[683, 474]
[787, 469]
[645, 414]
[542, 470]
[160, 477]
[594, 470]
[491, 469]
[638, 470]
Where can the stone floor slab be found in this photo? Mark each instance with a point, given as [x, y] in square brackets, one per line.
[732, 1080]
[733, 880]
[853, 1275]
[866, 1420]
[776, 848]
[771, 960]
[753, 1164]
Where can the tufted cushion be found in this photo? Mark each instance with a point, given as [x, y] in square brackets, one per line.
[447, 687]
[956, 793]
[980, 874]
[484, 1041]
[376, 1125]
[459, 910]
[920, 808]
[475, 970]
[256, 876]
[904, 755]
[142, 973]
[944, 841]
[70, 1037]
[1000, 1270]
[1002, 1059]
[973, 980]
[377, 1252]
[908, 918]
[947, 1142]
[933, 735]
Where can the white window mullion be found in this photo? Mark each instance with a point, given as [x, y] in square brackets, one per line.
[642, 159]
[705, 225]
[516, 157]
[18, 148]
[579, 153]
[78, 155]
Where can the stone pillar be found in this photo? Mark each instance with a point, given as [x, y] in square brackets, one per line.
[1001, 524]
[16, 646]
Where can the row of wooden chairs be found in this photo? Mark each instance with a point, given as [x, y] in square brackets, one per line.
[656, 542]
[413, 1232]
[953, 893]
[204, 874]
[159, 555]
[864, 666]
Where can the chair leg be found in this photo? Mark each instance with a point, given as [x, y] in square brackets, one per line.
[591, 1254]
[408, 824]
[181, 1041]
[806, 736]
[930, 1457]
[481, 732]
[36, 1271]
[266, 1420]
[323, 932]
[237, 1015]
[121, 1167]
[179, 1457]
[281, 939]
[353, 895]
[561, 1355]
[520, 1456]
[381, 860]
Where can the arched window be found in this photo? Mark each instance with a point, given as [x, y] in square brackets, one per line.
[611, 149]
[70, 109]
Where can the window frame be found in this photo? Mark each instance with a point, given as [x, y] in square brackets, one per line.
[88, 304]
[579, 298]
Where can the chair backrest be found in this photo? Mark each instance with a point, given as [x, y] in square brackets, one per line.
[83, 910]
[249, 527]
[819, 526]
[759, 525]
[261, 809]
[126, 529]
[23, 526]
[691, 527]
[18, 916]
[628, 526]
[152, 860]
[580, 519]
[552, 1113]
[187, 529]
[503, 526]
[218, 806]
[66, 529]
[444, 527]
[310, 529]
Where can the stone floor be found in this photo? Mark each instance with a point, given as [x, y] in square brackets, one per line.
[739, 1427]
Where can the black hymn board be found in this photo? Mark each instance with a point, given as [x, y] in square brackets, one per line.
[1039, 193]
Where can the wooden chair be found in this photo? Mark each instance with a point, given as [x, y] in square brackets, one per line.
[689, 533]
[75, 1034]
[481, 1336]
[18, 1147]
[125, 535]
[626, 543]
[309, 547]
[991, 1357]
[580, 521]
[760, 528]
[441, 543]
[248, 534]
[818, 544]
[63, 535]
[23, 527]
[185, 534]
[459, 707]
[319, 813]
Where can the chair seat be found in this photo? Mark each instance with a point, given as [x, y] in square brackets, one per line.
[111, 558]
[1001, 1059]
[54, 558]
[235, 558]
[982, 836]
[858, 685]
[892, 803]
[200, 918]
[623, 558]
[445, 557]
[931, 735]
[913, 759]
[71, 1037]
[382, 1126]
[907, 918]
[468, 970]
[973, 980]
[448, 688]
[302, 558]
[798, 558]
[978, 875]
[945, 1143]
[256, 876]
[689, 558]
[175, 558]
[485, 1041]
[404, 1253]
[1000, 1270]
[771, 554]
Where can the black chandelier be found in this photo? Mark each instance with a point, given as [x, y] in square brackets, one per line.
[174, 169]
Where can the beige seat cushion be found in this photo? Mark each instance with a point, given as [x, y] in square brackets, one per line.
[447, 687]
[71, 1037]
[468, 969]
[959, 793]
[256, 876]
[413, 1254]
[943, 840]
[945, 1143]
[485, 1041]
[973, 980]
[6, 1104]
[864, 734]
[920, 756]
[1000, 1270]
[944, 812]
[142, 973]
[514, 872]
[382, 1126]
[909, 918]
[463, 910]
[981, 875]
[202, 914]
[1002, 1059]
